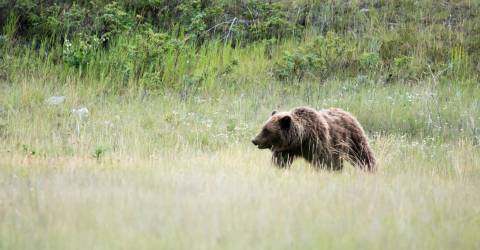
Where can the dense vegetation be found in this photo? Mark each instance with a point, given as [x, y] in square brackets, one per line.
[208, 48]
[127, 124]
[158, 44]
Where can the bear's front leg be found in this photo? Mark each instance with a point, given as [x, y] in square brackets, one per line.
[282, 159]
[328, 161]
[336, 163]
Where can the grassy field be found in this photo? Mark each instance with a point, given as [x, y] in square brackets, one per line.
[160, 172]
[233, 199]
[163, 158]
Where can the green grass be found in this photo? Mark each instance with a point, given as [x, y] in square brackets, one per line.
[176, 173]
[164, 160]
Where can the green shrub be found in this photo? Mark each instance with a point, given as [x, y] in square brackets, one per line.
[47, 22]
[298, 64]
[142, 57]
[369, 60]
[197, 16]
[407, 68]
[112, 20]
[74, 20]
[320, 58]
[146, 42]
[80, 51]
[266, 20]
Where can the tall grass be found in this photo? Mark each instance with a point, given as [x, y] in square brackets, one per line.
[174, 170]
[215, 109]
[232, 198]
[163, 158]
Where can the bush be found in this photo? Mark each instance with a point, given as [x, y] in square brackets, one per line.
[266, 21]
[140, 40]
[407, 68]
[143, 57]
[197, 16]
[297, 64]
[80, 51]
[113, 20]
[369, 60]
[319, 58]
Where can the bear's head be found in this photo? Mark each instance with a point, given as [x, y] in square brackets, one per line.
[275, 132]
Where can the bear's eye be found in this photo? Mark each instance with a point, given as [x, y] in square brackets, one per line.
[265, 131]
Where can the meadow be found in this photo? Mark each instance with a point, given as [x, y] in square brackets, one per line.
[163, 158]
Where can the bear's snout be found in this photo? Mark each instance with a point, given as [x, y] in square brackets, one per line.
[259, 144]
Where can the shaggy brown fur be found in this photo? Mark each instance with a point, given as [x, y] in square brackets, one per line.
[325, 138]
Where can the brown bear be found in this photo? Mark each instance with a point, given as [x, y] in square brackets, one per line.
[324, 138]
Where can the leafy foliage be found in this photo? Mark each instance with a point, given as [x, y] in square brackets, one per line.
[318, 58]
[155, 43]
[80, 51]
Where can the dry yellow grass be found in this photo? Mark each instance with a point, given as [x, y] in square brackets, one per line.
[233, 198]
[164, 173]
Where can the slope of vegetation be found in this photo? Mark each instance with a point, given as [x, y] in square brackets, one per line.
[127, 124]
[157, 44]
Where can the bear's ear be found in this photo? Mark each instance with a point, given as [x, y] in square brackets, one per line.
[274, 112]
[285, 122]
